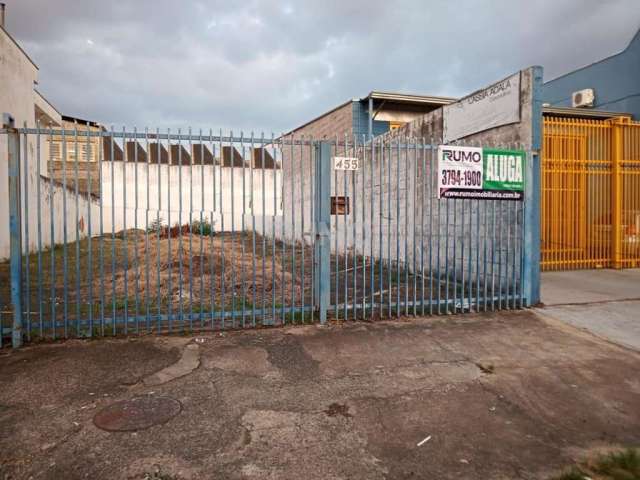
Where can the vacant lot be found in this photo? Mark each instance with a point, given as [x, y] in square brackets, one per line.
[503, 396]
[203, 281]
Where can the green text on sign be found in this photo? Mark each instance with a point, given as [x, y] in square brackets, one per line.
[503, 169]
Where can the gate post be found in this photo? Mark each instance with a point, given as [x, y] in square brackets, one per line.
[616, 193]
[15, 227]
[531, 274]
[322, 222]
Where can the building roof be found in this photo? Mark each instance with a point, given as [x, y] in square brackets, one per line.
[633, 38]
[581, 113]
[80, 121]
[410, 98]
[436, 101]
[47, 102]
[395, 97]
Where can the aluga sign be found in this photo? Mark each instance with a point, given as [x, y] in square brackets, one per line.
[480, 173]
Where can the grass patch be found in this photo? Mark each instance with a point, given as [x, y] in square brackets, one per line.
[621, 465]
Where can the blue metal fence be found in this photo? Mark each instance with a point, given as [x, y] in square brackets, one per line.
[129, 232]
[400, 250]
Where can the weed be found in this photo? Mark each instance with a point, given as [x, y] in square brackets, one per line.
[204, 227]
[621, 465]
[155, 226]
[624, 465]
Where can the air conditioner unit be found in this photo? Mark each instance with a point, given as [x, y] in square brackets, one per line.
[583, 98]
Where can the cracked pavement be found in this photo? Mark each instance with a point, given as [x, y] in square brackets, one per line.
[501, 395]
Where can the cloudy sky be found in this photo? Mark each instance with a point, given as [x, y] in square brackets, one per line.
[272, 64]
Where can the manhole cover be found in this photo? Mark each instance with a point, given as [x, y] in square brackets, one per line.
[137, 414]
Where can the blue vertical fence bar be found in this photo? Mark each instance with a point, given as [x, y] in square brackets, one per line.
[27, 266]
[400, 251]
[531, 243]
[15, 228]
[322, 220]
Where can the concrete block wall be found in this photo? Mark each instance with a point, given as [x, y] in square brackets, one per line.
[298, 165]
[338, 122]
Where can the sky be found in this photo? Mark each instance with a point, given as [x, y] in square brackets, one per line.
[268, 65]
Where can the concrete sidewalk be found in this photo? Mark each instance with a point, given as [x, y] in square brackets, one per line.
[617, 321]
[500, 396]
[603, 302]
[590, 286]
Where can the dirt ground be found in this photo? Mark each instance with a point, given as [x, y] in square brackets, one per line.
[501, 396]
[132, 273]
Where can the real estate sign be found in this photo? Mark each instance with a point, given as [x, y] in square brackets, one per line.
[480, 173]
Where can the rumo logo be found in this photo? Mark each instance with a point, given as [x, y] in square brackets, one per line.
[461, 155]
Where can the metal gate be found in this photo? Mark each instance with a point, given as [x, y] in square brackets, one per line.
[590, 194]
[129, 232]
[399, 250]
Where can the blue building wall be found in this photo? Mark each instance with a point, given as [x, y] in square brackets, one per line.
[615, 80]
[361, 121]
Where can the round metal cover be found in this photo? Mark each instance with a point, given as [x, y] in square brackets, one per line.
[137, 413]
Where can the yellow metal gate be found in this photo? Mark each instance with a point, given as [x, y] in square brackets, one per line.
[590, 194]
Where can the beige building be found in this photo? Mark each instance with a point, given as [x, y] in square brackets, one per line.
[76, 147]
[27, 106]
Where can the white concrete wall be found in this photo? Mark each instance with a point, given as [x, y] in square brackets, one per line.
[223, 194]
[51, 203]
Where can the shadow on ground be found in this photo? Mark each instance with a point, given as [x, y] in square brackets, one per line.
[498, 396]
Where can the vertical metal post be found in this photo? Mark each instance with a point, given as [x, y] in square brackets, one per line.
[616, 194]
[531, 274]
[322, 218]
[15, 227]
[370, 119]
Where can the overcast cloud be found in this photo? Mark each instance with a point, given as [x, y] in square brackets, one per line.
[270, 65]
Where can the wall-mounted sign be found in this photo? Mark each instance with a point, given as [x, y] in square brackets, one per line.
[346, 163]
[488, 108]
[480, 173]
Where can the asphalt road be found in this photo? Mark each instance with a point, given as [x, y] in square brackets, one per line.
[501, 396]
